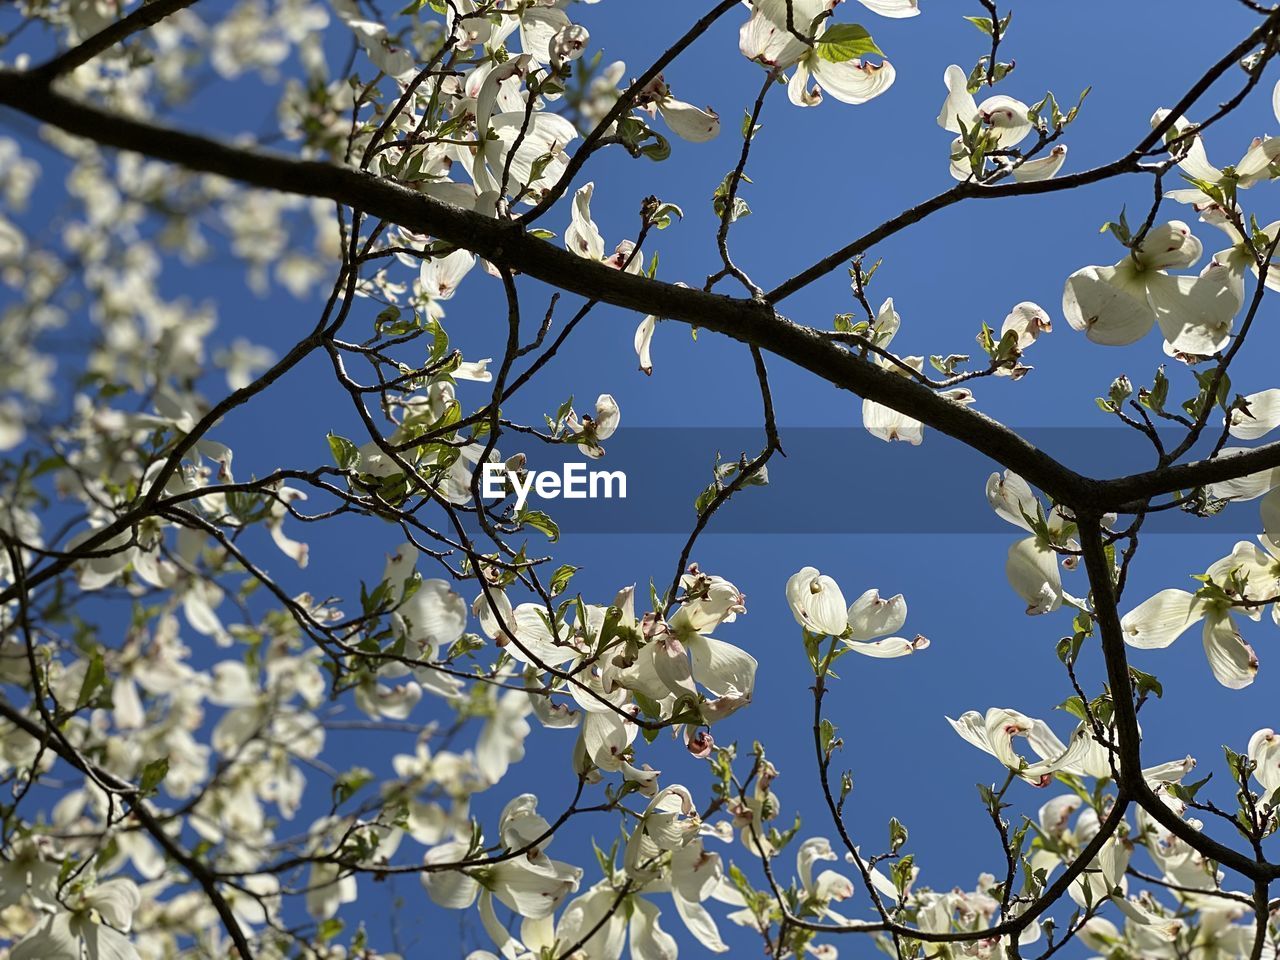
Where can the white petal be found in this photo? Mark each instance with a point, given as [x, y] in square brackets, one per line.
[1262, 417]
[1032, 569]
[436, 616]
[534, 888]
[1109, 304]
[770, 42]
[440, 276]
[52, 939]
[451, 889]
[888, 424]
[116, 900]
[972, 728]
[1250, 486]
[699, 922]
[643, 338]
[959, 106]
[817, 602]
[853, 81]
[1264, 750]
[889, 648]
[1256, 163]
[1012, 499]
[1160, 620]
[898, 9]
[1007, 118]
[648, 940]
[1169, 244]
[1233, 661]
[798, 90]
[870, 616]
[1045, 168]
[594, 911]
[582, 237]
[538, 27]
[1194, 313]
[607, 416]
[689, 122]
[725, 670]
[1196, 162]
[1270, 509]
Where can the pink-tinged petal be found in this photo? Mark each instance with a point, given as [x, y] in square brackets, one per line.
[853, 81]
[1261, 417]
[689, 122]
[1232, 661]
[1169, 244]
[1046, 168]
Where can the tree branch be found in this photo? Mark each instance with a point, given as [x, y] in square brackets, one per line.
[144, 16]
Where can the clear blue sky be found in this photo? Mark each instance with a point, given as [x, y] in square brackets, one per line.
[820, 177]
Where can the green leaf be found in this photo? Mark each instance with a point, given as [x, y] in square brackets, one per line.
[95, 679]
[845, 41]
[1187, 791]
[329, 929]
[1074, 706]
[662, 214]
[350, 782]
[1145, 682]
[560, 579]
[900, 873]
[153, 775]
[982, 23]
[659, 150]
[1120, 228]
[897, 835]
[541, 522]
[344, 452]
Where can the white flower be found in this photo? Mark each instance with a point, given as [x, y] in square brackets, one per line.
[95, 931]
[1028, 320]
[1119, 304]
[1032, 564]
[541, 135]
[817, 602]
[591, 430]
[1254, 167]
[1158, 621]
[765, 39]
[440, 276]
[1002, 118]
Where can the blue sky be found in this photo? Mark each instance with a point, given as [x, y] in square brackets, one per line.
[820, 177]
